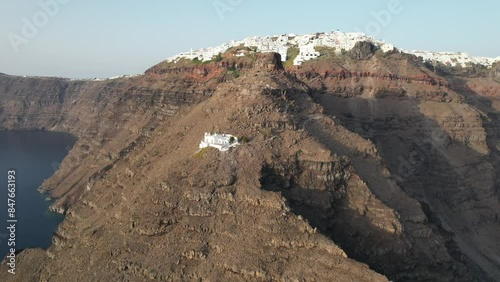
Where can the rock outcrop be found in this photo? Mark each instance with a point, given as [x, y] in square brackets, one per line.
[362, 50]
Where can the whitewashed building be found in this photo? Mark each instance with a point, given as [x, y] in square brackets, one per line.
[222, 142]
[306, 53]
[386, 47]
[270, 45]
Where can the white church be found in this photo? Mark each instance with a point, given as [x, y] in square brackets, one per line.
[222, 142]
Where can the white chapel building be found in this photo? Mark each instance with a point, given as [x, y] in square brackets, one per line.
[222, 142]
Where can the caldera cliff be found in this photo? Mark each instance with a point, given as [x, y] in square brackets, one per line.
[359, 167]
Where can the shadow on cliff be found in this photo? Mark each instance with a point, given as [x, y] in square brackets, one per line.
[328, 211]
[490, 119]
[413, 150]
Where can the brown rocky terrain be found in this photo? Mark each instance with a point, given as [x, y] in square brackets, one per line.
[356, 165]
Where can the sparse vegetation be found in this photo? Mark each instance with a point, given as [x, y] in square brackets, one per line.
[218, 58]
[201, 153]
[329, 54]
[326, 52]
[381, 54]
[292, 53]
[196, 61]
[236, 48]
[469, 70]
[181, 62]
[243, 139]
[267, 132]
[235, 72]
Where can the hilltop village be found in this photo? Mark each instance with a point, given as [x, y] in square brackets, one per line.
[341, 41]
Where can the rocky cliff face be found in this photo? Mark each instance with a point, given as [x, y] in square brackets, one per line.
[355, 164]
[440, 145]
[363, 50]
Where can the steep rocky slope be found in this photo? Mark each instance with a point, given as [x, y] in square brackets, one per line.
[352, 160]
[438, 138]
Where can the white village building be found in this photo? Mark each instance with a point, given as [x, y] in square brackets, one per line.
[271, 45]
[222, 142]
[335, 39]
[306, 53]
[453, 58]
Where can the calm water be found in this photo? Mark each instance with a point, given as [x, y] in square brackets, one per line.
[34, 155]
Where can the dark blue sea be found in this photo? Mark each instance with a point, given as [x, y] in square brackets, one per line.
[34, 155]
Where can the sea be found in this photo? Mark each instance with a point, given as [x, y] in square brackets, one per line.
[33, 156]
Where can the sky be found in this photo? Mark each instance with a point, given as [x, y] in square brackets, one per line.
[105, 38]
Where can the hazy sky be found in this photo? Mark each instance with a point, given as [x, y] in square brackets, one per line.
[90, 38]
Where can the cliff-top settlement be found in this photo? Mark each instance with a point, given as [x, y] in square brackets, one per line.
[341, 41]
